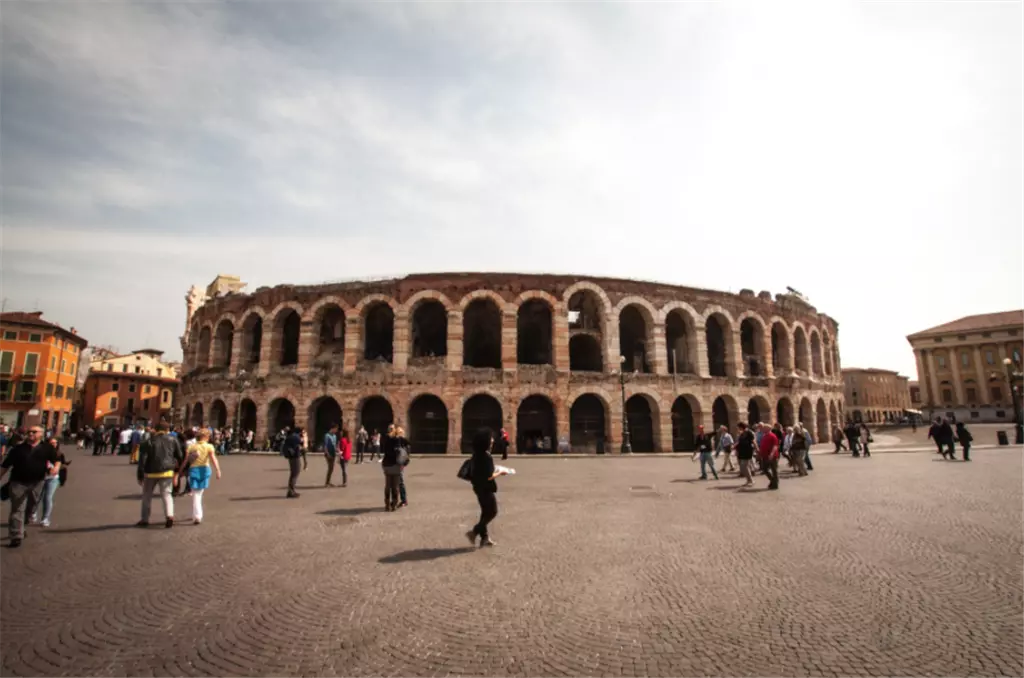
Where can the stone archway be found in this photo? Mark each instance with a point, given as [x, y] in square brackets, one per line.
[218, 414]
[717, 331]
[203, 354]
[280, 414]
[375, 415]
[588, 425]
[324, 413]
[806, 414]
[247, 416]
[379, 332]
[680, 342]
[534, 332]
[428, 425]
[634, 338]
[641, 415]
[429, 330]
[781, 357]
[480, 411]
[752, 347]
[481, 334]
[685, 420]
[724, 413]
[784, 412]
[223, 342]
[197, 414]
[824, 434]
[252, 340]
[536, 426]
[585, 353]
[759, 410]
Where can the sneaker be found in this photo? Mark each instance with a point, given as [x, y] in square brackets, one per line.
[45, 523]
[142, 523]
[703, 477]
[196, 521]
[488, 542]
[471, 536]
[404, 503]
[15, 543]
[169, 523]
[292, 495]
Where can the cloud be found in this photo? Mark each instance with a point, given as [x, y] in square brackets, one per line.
[712, 145]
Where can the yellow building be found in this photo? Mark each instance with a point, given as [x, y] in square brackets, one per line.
[962, 366]
[875, 396]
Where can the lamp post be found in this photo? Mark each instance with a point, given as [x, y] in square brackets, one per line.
[240, 386]
[627, 448]
[1014, 379]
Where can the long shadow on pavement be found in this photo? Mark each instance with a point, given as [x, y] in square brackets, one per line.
[424, 554]
[91, 528]
[276, 496]
[355, 511]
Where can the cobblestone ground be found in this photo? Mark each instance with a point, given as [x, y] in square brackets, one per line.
[902, 564]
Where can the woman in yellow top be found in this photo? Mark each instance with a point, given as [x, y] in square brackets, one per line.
[201, 456]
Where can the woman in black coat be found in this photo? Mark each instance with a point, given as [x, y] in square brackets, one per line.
[482, 477]
[392, 468]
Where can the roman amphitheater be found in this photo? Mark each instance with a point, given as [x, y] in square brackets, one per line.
[547, 357]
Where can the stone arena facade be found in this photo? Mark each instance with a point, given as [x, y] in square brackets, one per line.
[544, 356]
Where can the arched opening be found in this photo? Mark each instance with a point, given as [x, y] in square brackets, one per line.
[430, 330]
[807, 414]
[752, 345]
[247, 415]
[827, 343]
[719, 358]
[634, 337]
[376, 415]
[218, 414]
[681, 343]
[203, 352]
[323, 413]
[723, 412]
[823, 431]
[428, 425]
[780, 349]
[480, 411]
[481, 334]
[800, 351]
[533, 333]
[585, 312]
[584, 353]
[641, 423]
[379, 332]
[197, 415]
[784, 412]
[223, 342]
[188, 415]
[287, 327]
[587, 425]
[685, 420]
[252, 340]
[280, 415]
[331, 332]
[535, 425]
[816, 355]
[758, 410]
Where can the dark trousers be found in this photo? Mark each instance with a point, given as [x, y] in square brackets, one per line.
[391, 484]
[401, 487]
[294, 468]
[24, 499]
[344, 470]
[330, 467]
[950, 449]
[488, 512]
[360, 447]
[771, 469]
[967, 450]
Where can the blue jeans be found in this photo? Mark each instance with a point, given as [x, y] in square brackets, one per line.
[707, 459]
[50, 486]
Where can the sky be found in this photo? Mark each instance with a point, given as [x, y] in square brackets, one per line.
[866, 154]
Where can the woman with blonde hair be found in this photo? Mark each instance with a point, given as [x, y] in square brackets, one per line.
[199, 456]
[394, 459]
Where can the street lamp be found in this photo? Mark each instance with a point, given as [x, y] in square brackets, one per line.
[627, 448]
[240, 386]
[1012, 379]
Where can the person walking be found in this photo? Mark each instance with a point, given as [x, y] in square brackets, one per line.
[703, 446]
[403, 461]
[295, 453]
[392, 469]
[501, 444]
[375, 445]
[798, 450]
[159, 460]
[50, 485]
[837, 438]
[362, 440]
[768, 450]
[482, 476]
[199, 457]
[125, 438]
[745, 444]
[30, 462]
[853, 438]
[933, 433]
[725, 445]
[330, 452]
[866, 439]
[98, 446]
[344, 455]
[810, 443]
[946, 439]
[134, 441]
[965, 438]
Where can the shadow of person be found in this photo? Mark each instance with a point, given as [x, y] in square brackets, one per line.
[424, 554]
[276, 496]
[131, 497]
[354, 511]
[91, 528]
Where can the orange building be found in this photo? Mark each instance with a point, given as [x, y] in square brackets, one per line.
[136, 388]
[38, 370]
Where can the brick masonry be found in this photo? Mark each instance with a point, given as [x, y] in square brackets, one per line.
[805, 340]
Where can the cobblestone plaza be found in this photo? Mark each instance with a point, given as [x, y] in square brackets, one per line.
[901, 564]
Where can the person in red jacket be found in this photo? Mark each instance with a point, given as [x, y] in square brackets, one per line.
[768, 451]
[344, 455]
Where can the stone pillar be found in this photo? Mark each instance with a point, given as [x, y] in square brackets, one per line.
[561, 421]
[454, 430]
[659, 352]
[766, 353]
[983, 391]
[509, 409]
[734, 367]
[266, 350]
[610, 337]
[307, 346]
[453, 362]
[664, 427]
[703, 365]
[237, 340]
[614, 445]
[401, 345]
[508, 341]
[932, 381]
[922, 378]
[958, 386]
[353, 343]
[560, 338]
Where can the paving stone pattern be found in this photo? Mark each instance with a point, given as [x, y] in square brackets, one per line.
[901, 564]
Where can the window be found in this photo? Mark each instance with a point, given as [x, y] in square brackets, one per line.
[159, 372]
[1016, 355]
[947, 395]
[1001, 414]
[138, 370]
[35, 338]
[53, 362]
[72, 370]
[972, 395]
[60, 391]
[961, 337]
[113, 402]
[6, 362]
[974, 415]
[31, 364]
[146, 389]
[965, 360]
[124, 368]
[110, 368]
[1012, 333]
[997, 394]
[131, 388]
[64, 365]
[10, 336]
[49, 390]
[131, 405]
[166, 397]
[986, 334]
[5, 389]
[990, 358]
[27, 391]
[115, 387]
[941, 360]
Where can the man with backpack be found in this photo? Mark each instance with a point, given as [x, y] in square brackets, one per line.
[295, 453]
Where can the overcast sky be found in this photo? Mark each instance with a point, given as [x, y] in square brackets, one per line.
[869, 155]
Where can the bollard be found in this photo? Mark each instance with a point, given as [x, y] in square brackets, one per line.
[1001, 436]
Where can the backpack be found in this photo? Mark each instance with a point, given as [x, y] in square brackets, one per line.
[401, 454]
[466, 471]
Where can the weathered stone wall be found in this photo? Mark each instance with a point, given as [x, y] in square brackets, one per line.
[814, 393]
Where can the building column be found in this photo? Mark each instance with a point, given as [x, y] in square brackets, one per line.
[237, 340]
[401, 345]
[266, 350]
[659, 354]
[307, 339]
[703, 368]
[610, 339]
[932, 380]
[664, 428]
[561, 422]
[560, 338]
[453, 361]
[454, 430]
[922, 378]
[353, 344]
[509, 334]
[958, 386]
[767, 356]
[736, 363]
[984, 396]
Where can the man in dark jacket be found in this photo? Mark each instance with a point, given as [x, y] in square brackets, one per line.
[945, 439]
[30, 462]
[965, 438]
[160, 459]
[482, 478]
[291, 449]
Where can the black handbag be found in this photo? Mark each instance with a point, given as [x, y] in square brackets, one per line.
[5, 491]
[466, 470]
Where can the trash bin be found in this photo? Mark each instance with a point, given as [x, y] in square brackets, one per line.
[1001, 437]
